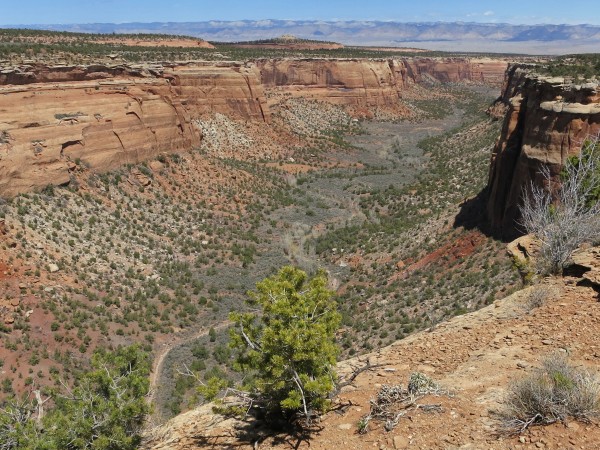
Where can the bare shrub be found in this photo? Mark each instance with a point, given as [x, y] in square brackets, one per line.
[565, 215]
[555, 392]
[539, 295]
[394, 402]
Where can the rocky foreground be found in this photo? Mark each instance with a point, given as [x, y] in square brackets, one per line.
[473, 357]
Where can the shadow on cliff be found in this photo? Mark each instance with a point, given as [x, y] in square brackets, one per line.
[473, 215]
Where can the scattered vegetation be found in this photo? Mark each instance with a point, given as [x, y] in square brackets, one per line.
[18, 45]
[583, 66]
[141, 263]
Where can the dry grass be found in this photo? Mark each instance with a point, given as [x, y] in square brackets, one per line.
[554, 393]
[539, 296]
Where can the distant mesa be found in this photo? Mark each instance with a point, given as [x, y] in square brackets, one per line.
[288, 42]
[152, 41]
[438, 36]
[46, 37]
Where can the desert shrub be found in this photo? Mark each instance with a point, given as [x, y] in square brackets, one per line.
[394, 402]
[539, 295]
[553, 393]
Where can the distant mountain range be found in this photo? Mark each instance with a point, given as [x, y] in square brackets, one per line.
[486, 37]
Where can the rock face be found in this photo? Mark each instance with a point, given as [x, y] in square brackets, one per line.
[589, 260]
[348, 82]
[453, 70]
[371, 83]
[121, 116]
[232, 89]
[547, 120]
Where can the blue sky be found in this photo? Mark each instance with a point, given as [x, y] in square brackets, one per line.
[119, 11]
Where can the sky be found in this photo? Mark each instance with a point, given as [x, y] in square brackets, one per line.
[121, 11]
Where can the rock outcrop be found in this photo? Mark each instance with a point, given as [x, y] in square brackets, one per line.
[588, 259]
[547, 120]
[372, 83]
[351, 82]
[454, 70]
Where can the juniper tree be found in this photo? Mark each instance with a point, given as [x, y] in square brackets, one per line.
[288, 345]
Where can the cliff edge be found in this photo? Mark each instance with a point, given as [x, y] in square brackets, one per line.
[473, 357]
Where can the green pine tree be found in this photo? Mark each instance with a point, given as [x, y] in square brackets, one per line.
[289, 346]
[104, 411]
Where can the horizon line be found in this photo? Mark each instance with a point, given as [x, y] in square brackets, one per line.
[25, 25]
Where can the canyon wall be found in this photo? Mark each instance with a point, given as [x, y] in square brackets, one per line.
[454, 70]
[372, 83]
[363, 83]
[52, 118]
[547, 120]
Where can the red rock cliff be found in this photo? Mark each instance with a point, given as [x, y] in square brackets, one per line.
[547, 120]
[372, 83]
[454, 70]
[351, 82]
[106, 117]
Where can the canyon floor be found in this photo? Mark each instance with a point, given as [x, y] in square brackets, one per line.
[160, 252]
[473, 358]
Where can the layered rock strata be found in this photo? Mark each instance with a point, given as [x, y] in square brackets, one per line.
[52, 118]
[547, 120]
[455, 70]
[371, 83]
[109, 117]
[362, 83]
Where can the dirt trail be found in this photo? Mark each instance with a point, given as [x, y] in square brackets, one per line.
[159, 358]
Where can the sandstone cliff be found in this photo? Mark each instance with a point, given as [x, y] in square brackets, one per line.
[547, 120]
[347, 82]
[454, 70]
[105, 117]
[372, 83]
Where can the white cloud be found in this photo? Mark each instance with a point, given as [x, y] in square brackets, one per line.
[481, 14]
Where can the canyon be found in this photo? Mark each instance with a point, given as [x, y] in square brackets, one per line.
[188, 182]
[52, 118]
